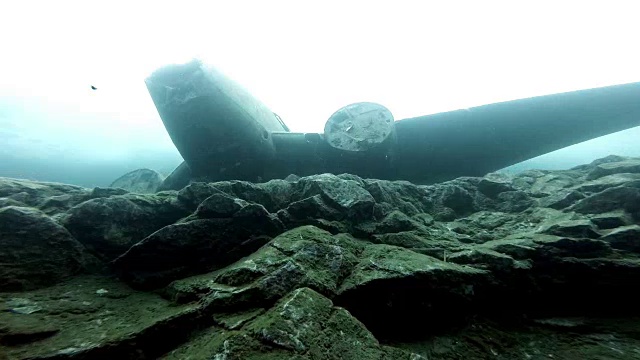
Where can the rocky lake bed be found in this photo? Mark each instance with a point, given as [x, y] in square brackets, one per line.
[537, 265]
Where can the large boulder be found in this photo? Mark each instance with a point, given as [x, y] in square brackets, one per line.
[141, 181]
[35, 251]
[108, 227]
[302, 325]
[221, 231]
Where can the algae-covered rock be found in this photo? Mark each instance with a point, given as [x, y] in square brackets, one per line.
[612, 199]
[35, 251]
[624, 238]
[93, 317]
[108, 227]
[393, 290]
[302, 257]
[326, 267]
[302, 325]
[196, 246]
[36, 193]
[627, 165]
[141, 181]
[572, 228]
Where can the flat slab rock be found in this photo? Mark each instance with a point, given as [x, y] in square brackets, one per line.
[90, 318]
[100, 318]
[26, 234]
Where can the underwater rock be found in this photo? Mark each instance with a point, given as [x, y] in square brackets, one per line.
[340, 267]
[624, 238]
[627, 165]
[563, 284]
[303, 257]
[394, 222]
[141, 181]
[546, 183]
[51, 198]
[292, 178]
[318, 199]
[512, 201]
[345, 195]
[561, 200]
[486, 259]
[196, 245]
[390, 285]
[400, 195]
[315, 258]
[609, 181]
[549, 247]
[219, 205]
[4, 202]
[433, 243]
[610, 220]
[264, 194]
[457, 195]
[573, 228]
[494, 184]
[34, 192]
[612, 199]
[407, 261]
[312, 211]
[462, 197]
[604, 160]
[108, 227]
[302, 325]
[35, 251]
[77, 321]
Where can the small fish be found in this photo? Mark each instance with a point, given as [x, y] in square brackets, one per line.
[93, 87]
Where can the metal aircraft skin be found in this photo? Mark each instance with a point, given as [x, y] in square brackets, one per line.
[224, 133]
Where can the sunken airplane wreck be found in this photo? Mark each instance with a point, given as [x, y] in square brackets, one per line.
[224, 133]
